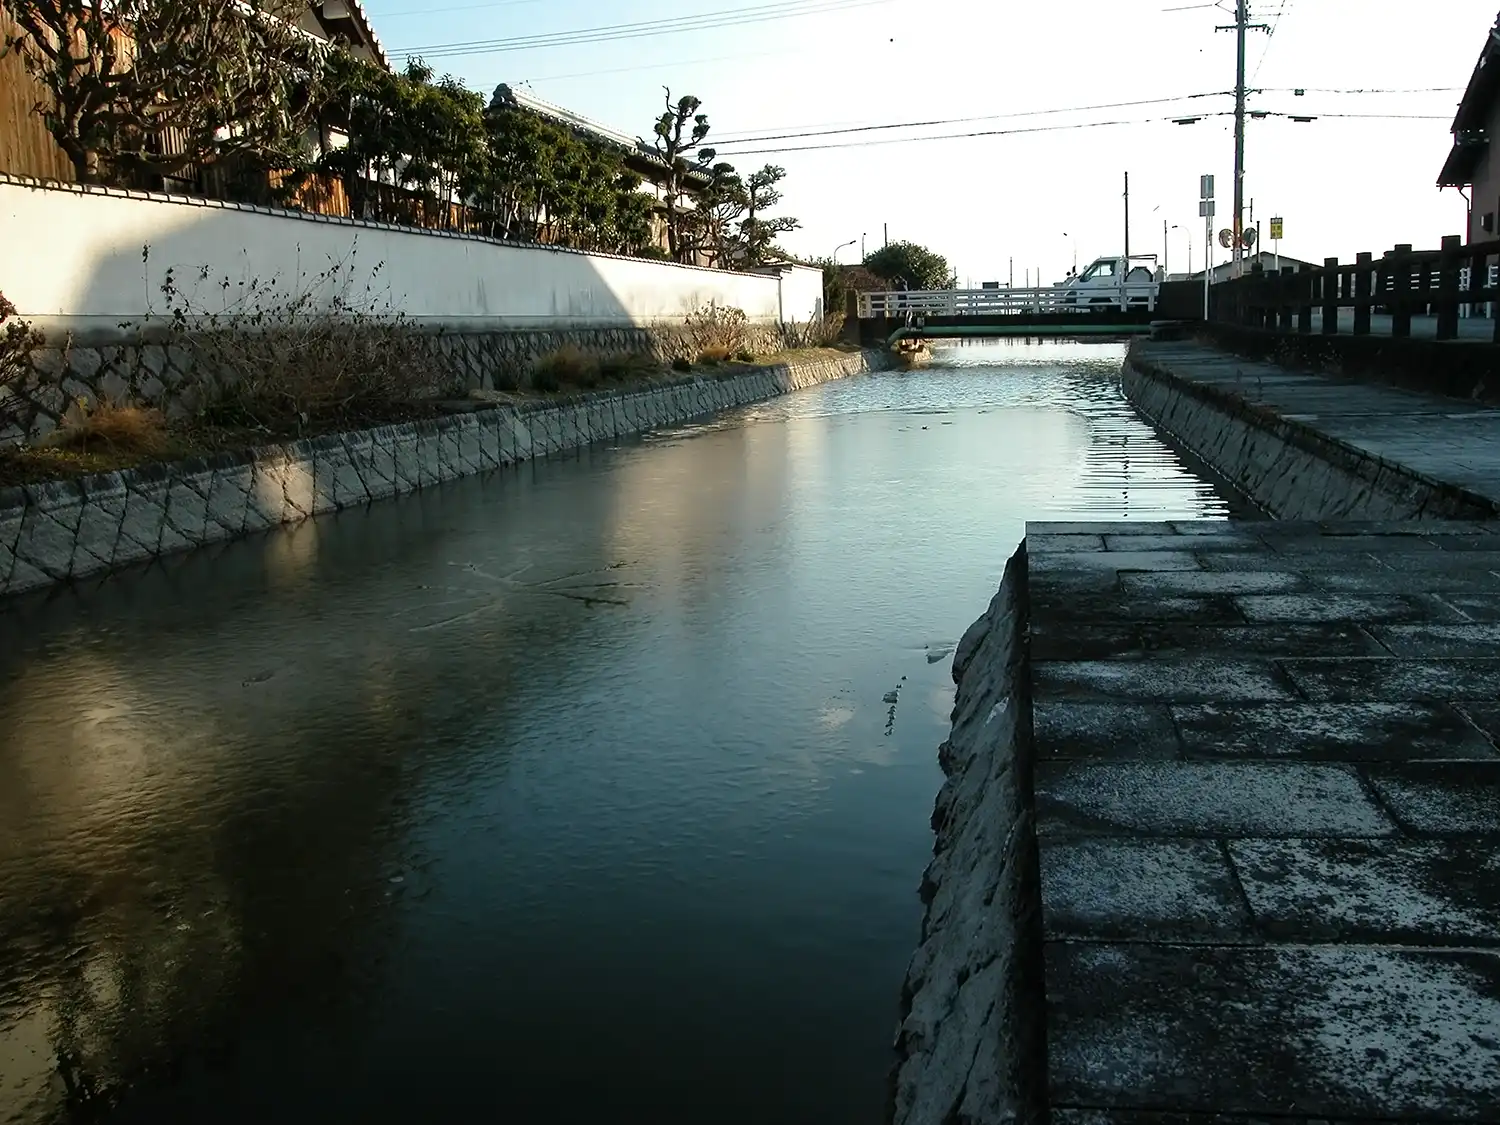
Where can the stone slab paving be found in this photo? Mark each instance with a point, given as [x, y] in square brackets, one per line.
[1442, 438]
[1268, 809]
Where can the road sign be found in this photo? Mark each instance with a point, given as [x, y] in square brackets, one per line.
[1226, 238]
[1205, 208]
[1275, 230]
[1205, 187]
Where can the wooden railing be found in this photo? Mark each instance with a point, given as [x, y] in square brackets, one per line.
[1446, 284]
[1053, 300]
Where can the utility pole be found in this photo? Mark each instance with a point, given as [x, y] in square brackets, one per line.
[1241, 25]
[887, 239]
[1127, 222]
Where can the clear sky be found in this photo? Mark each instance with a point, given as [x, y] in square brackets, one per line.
[1342, 184]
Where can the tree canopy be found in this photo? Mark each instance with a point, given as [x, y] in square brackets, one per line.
[161, 86]
[919, 266]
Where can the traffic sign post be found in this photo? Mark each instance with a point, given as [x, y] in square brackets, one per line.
[1276, 238]
[1206, 209]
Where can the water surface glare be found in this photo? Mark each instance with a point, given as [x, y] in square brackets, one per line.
[592, 790]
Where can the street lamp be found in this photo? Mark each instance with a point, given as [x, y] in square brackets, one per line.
[836, 249]
[1166, 246]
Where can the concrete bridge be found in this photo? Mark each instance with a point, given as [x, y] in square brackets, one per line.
[1125, 310]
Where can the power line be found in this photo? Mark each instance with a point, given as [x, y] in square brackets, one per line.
[753, 136]
[733, 17]
[1051, 129]
[1270, 36]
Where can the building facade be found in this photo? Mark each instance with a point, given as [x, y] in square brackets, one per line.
[1473, 164]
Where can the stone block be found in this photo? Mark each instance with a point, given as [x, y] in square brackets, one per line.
[1044, 566]
[1277, 639]
[1075, 640]
[187, 511]
[1377, 892]
[1204, 799]
[1361, 609]
[1062, 607]
[1394, 680]
[489, 441]
[144, 521]
[229, 497]
[1194, 680]
[1348, 732]
[1055, 544]
[1441, 798]
[1357, 1033]
[470, 459]
[348, 483]
[450, 455]
[1142, 889]
[1100, 527]
[1309, 565]
[1063, 729]
[24, 576]
[1199, 582]
[1229, 539]
[1411, 579]
[378, 466]
[47, 538]
[98, 531]
[1479, 639]
[327, 461]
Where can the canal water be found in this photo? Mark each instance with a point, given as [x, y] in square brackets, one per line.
[594, 790]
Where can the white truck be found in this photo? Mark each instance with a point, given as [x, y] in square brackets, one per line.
[1112, 281]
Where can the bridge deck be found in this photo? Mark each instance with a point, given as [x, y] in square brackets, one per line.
[1268, 801]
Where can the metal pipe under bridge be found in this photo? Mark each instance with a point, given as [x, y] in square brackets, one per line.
[1064, 311]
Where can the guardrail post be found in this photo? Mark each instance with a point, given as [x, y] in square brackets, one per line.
[1286, 294]
[1447, 300]
[1401, 295]
[1330, 296]
[1306, 280]
[1364, 290]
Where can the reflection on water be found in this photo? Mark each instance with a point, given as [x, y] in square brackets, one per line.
[592, 790]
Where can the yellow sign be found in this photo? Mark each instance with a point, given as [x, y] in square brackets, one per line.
[1276, 230]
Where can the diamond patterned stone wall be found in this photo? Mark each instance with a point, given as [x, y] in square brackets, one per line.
[62, 530]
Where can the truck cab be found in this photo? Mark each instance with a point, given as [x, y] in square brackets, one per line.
[1106, 280]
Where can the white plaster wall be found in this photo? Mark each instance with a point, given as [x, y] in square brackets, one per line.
[75, 259]
[802, 294]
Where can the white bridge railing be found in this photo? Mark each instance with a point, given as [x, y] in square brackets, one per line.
[1020, 302]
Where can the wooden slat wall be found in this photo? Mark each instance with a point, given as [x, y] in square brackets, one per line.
[26, 148]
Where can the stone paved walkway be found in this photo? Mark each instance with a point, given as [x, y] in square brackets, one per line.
[1441, 438]
[1268, 801]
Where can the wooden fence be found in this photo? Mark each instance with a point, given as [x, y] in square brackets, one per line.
[26, 147]
[1402, 283]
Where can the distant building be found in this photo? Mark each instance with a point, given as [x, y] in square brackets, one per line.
[1266, 259]
[1473, 162]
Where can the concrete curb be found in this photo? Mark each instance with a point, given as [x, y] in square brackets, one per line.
[1289, 468]
[62, 530]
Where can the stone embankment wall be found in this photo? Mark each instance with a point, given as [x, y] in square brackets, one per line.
[1286, 467]
[68, 529]
[166, 376]
[971, 1042]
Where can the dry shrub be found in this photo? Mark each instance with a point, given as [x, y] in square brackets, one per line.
[113, 426]
[716, 327]
[744, 355]
[17, 341]
[682, 363]
[813, 333]
[282, 362]
[568, 366]
[627, 367]
[714, 356]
